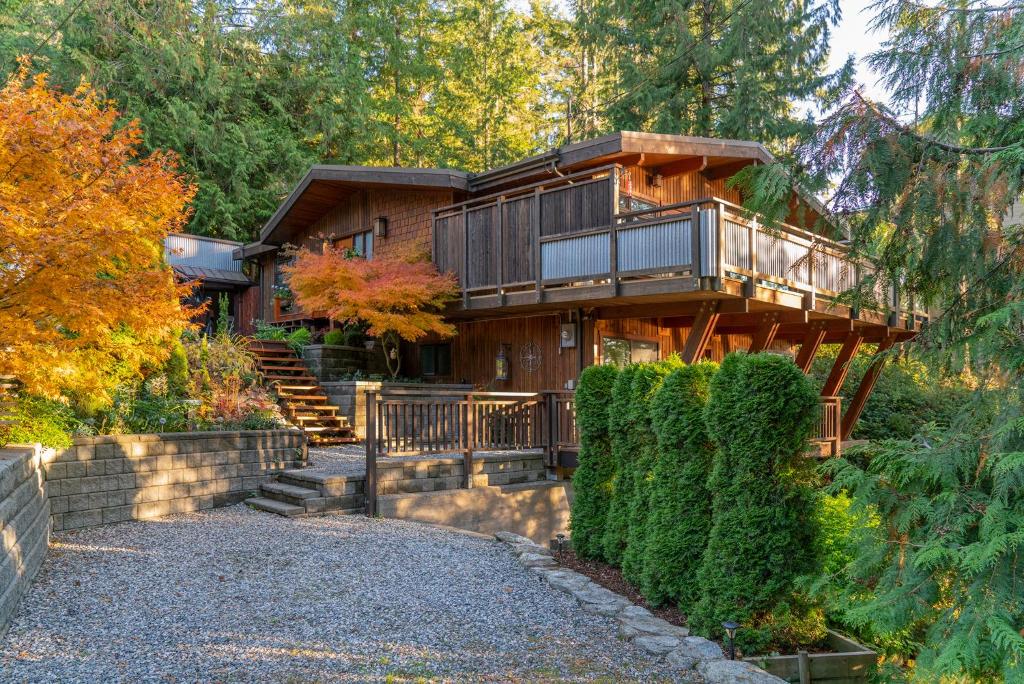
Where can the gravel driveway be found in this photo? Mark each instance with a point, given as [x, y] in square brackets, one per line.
[234, 595]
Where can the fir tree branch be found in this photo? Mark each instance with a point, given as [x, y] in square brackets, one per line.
[927, 140]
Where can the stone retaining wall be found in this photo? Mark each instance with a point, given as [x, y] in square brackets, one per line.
[114, 478]
[493, 469]
[24, 525]
[329, 362]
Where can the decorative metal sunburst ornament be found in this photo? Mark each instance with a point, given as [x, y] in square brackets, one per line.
[530, 357]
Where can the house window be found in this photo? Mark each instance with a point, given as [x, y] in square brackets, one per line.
[618, 351]
[629, 202]
[435, 360]
[279, 263]
[360, 243]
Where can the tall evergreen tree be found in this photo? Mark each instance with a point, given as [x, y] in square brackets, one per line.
[723, 68]
[929, 182]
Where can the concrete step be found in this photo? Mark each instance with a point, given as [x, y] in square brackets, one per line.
[286, 493]
[274, 506]
[328, 484]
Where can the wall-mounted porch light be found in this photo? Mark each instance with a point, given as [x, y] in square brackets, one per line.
[380, 226]
[501, 364]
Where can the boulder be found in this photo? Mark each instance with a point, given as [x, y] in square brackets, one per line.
[531, 548]
[734, 672]
[700, 648]
[658, 645]
[512, 538]
[533, 560]
[632, 626]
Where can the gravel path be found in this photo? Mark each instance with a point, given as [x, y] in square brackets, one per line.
[233, 595]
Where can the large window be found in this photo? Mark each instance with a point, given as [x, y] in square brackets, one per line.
[435, 360]
[360, 243]
[618, 351]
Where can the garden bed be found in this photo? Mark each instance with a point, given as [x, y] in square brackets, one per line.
[838, 661]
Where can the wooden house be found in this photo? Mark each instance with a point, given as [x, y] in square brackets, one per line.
[631, 246]
[210, 264]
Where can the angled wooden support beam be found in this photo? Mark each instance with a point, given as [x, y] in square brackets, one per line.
[809, 349]
[867, 383]
[701, 333]
[841, 367]
[765, 334]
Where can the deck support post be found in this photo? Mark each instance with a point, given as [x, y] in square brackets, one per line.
[841, 367]
[370, 485]
[809, 349]
[469, 435]
[765, 334]
[701, 333]
[867, 383]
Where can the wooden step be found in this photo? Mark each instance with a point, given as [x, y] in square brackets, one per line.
[273, 506]
[313, 398]
[296, 369]
[303, 387]
[308, 379]
[306, 408]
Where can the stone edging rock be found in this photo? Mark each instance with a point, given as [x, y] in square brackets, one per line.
[658, 637]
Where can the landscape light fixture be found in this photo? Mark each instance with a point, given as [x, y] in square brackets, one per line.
[559, 545]
[730, 628]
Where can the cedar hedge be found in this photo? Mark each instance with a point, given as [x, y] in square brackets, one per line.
[646, 382]
[761, 413]
[592, 481]
[680, 504]
[616, 527]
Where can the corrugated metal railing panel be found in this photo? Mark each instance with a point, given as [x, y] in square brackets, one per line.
[780, 258]
[708, 242]
[194, 250]
[832, 272]
[662, 245]
[737, 245]
[580, 257]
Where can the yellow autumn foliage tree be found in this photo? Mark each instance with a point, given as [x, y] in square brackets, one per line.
[86, 296]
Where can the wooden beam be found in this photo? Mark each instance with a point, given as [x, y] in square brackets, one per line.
[701, 333]
[765, 334]
[809, 349]
[867, 383]
[682, 166]
[671, 309]
[837, 376]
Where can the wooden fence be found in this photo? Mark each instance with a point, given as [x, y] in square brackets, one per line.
[424, 422]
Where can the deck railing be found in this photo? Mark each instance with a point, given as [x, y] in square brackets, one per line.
[425, 422]
[570, 232]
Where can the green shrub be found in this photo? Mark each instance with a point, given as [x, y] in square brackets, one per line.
[299, 338]
[761, 411]
[35, 419]
[176, 370]
[906, 396]
[334, 337]
[616, 525]
[680, 504]
[646, 381]
[592, 481]
[266, 331]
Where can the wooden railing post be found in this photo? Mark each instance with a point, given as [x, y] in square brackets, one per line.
[499, 268]
[465, 257]
[552, 429]
[370, 484]
[470, 441]
[720, 246]
[751, 286]
[695, 260]
[613, 244]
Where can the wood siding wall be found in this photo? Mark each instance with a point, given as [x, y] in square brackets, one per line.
[477, 343]
[408, 213]
[682, 188]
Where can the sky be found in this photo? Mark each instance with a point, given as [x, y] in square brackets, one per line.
[852, 37]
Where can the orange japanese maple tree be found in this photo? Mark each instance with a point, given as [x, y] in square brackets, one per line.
[398, 296]
[86, 296]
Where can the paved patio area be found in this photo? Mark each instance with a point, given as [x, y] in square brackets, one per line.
[233, 595]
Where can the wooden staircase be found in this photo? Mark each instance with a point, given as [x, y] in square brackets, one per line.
[299, 394]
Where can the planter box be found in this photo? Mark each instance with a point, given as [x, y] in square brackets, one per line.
[350, 396]
[849, 662]
[331, 362]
